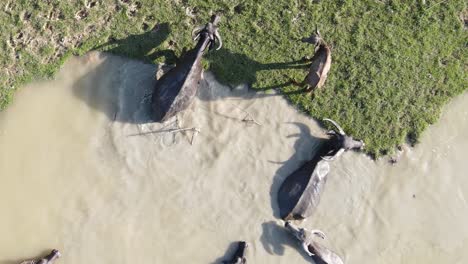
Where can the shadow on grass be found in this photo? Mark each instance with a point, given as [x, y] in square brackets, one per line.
[142, 46]
[233, 68]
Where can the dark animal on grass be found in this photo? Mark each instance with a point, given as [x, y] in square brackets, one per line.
[320, 64]
[175, 90]
[299, 194]
[319, 253]
[239, 255]
[49, 259]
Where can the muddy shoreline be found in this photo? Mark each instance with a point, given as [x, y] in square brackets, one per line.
[87, 174]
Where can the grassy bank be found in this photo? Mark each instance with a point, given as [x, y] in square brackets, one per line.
[394, 64]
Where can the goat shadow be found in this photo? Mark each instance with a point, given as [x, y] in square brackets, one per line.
[228, 66]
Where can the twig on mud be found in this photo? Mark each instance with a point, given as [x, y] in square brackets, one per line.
[193, 129]
[195, 132]
[249, 118]
[174, 130]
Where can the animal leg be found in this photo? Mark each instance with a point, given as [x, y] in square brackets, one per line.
[296, 83]
[309, 89]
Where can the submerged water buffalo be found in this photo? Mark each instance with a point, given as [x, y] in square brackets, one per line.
[339, 142]
[176, 89]
[239, 255]
[300, 192]
[320, 66]
[49, 259]
[319, 253]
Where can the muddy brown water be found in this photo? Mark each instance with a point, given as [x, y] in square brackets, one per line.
[83, 170]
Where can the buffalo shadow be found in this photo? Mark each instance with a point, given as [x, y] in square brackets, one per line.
[142, 46]
[118, 87]
[122, 88]
[230, 251]
[276, 238]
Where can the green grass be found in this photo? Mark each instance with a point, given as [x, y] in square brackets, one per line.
[395, 63]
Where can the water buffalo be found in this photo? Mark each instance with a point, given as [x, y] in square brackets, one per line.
[239, 255]
[300, 192]
[176, 89]
[49, 259]
[339, 142]
[319, 253]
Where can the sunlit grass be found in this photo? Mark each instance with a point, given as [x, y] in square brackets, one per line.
[395, 63]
